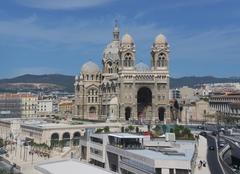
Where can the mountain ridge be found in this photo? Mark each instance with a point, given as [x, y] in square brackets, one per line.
[65, 82]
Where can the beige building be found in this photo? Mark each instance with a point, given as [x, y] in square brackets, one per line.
[65, 107]
[199, 111]
[29, 104]
[123, 89]
[41, 131]
[44, 107]
[16, 105]
[227, 104]
[186, 93]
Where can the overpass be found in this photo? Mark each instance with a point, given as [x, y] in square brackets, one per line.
[234, 146]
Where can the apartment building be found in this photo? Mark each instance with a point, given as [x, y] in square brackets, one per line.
[17, 105]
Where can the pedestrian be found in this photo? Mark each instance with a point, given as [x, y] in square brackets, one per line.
[204, 163]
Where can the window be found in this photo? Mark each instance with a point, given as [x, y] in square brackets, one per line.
[109, 67]
[128, 62]
[89, 98]
[162, 61]
[92, 95]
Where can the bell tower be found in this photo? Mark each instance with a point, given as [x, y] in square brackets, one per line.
[127, 53]
[160, 51]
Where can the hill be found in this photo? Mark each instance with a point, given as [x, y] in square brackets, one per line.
[53, 81]
[61, 82]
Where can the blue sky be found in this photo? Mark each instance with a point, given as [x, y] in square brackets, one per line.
[58, 36]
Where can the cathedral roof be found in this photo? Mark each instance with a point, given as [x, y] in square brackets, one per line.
[127, 39]
[90, 68]
[160, 39]
[142, 67]
[111, 51]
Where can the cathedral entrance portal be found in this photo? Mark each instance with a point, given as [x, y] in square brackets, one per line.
[127, 113]
[144, 103]
[161, 113]
[92, 112]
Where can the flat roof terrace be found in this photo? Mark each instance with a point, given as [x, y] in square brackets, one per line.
[47, 125]
[70, 166]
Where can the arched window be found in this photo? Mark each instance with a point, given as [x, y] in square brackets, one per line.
[162, 61]
[92, 95]
[128, 62]
[92, 111]
[109, 67]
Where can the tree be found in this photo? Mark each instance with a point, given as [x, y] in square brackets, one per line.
[137, 129]
[2, 171]
[131, 128]
[157, 130]
[106, 129]
[126, 129]
[99, 130]
[164, 128]
[122, 129]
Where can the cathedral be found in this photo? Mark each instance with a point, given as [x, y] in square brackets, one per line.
[123, 90]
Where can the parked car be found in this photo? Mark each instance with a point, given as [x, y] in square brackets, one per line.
[200, 127]
[221, 143]
[214, 133]
[211, 148]
[203, 134]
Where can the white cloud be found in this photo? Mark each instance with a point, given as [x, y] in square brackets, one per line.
[216, 44]
[62, 4]
[75, 32]
[190, 3]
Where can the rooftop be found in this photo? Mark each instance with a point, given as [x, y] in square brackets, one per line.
[74, 167]
[184, 151]
[126, 135]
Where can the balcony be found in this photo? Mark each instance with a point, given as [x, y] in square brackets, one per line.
[126, 141]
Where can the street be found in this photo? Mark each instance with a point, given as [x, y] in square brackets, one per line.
[213, 162]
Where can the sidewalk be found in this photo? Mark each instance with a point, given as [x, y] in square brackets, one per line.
[202, 155]
[26, 161]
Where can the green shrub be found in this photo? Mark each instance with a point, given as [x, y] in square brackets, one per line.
[131, 128]
[106, 129]
[99, 130]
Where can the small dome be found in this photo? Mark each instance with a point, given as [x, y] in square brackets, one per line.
[142, 67]
[127, 39]
[160, 39]
[90, 68]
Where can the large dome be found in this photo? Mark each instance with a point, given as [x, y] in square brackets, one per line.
[90, 68]
[142, 67]
[127, 39]
[160, 39]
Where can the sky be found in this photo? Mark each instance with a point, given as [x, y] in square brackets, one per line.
[59, 36]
